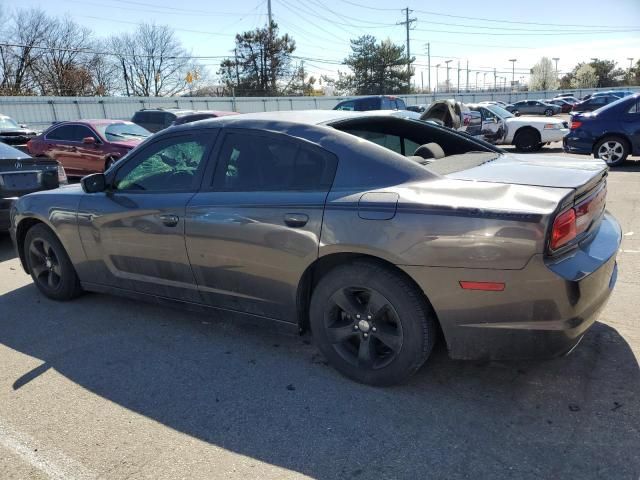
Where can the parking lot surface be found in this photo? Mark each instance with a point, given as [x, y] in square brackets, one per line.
[105, 387]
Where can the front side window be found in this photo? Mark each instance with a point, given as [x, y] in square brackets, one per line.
[81, 132]
[173, 164]
[249, 162]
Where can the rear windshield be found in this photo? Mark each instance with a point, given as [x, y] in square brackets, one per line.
[123, 131]
[9, 152]
[7, 122]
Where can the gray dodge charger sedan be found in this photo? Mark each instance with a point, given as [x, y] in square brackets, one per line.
[373, 231]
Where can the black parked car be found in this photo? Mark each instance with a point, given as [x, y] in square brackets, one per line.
[156, 119]
[12, 133]
[377, 102]
[21, 174]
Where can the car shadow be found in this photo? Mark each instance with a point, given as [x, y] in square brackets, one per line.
[274, 398]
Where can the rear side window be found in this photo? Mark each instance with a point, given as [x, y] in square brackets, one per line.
[248, 162]
[635, 108]
[350, 106]
[401, 105]
[366, 104]
[141, 117]
[388, 103]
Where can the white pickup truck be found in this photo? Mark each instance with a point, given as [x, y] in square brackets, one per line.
[527, 134]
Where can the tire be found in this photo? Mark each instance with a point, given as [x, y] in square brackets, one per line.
[49, 264]
[382, 331]
[526, 140]
[548, 112]
[613, 150]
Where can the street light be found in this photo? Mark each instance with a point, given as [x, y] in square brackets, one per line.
[477, 73]
[437, 89]
[513, 71]
[555, 59]
[447, 62]
[484, 81]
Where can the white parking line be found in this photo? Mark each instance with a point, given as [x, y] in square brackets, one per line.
[53, 463]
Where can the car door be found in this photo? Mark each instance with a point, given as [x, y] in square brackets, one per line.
[492, 128]
[133, 233]
[85, 158]
[253, 232]
[58, 145]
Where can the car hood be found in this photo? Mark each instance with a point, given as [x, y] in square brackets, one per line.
[531, 120]
[127, 143]
[536, 170]
[16, 131]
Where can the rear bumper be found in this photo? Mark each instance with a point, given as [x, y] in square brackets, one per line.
[544, 310]
[573, 143]
[547, 136]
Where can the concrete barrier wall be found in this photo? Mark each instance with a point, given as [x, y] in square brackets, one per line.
[40, 112]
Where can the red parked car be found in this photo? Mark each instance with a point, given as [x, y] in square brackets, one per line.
[87, 146]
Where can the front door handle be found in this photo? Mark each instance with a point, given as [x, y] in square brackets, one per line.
[296, 220]
[73, 149]
[170, 220]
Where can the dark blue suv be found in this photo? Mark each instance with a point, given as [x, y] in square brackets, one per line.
[377, 102]
[610, 133]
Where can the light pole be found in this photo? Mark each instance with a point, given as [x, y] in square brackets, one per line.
[630, 67]
[437, 86]
[555, 59]
[484, 81]
[513, 72]
[447, 62]
[477, 73]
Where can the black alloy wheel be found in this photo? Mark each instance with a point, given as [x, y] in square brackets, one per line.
[363, 327]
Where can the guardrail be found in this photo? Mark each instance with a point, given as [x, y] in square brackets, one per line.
[40, 112]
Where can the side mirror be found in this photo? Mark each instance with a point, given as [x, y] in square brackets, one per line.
[23, 125]
[89, 141]
[94, 183]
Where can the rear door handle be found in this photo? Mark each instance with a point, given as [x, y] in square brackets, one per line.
[73, 149]
[296, 220]
[170, 220]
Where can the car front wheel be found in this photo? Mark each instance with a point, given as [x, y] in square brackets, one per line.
[548, 112]
[49, 264]
[372, 324]
[612, 150]
[526, 140]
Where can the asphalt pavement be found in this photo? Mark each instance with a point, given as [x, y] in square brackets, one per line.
[104, 387]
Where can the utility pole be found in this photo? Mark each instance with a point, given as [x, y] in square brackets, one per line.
[458, 76]
[630, 67]
[495, 80]
[429, 66]
[437, 68]
[422, 80]
[555, 59]
[235, 52]
[477, 73]
[270, 48]
[513, 72]
[484, 81]
[448, 84]
[407, 23]
[467, 84]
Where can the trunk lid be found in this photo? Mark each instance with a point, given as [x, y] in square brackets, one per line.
[537, 170]
[19, 176]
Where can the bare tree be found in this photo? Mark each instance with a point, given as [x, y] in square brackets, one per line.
[26, 32]
[152, 62]
[543, 76]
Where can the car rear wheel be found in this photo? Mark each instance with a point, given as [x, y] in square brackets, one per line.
[613, 150]
[526, 140]
[548, 112]
[49, 264]
[371, 324]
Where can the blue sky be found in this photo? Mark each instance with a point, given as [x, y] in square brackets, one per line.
[486, 34]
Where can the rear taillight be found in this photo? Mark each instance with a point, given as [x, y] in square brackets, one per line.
[575, 124]
[564, 229]
[571, 223]
[29, 146]
[62, 175]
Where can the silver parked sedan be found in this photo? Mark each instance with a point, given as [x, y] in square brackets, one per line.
[371, 230]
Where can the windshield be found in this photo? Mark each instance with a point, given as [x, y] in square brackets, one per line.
[7, 122]
[499, 111]
[123, 131]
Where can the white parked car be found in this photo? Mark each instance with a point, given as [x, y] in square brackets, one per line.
[526, 133]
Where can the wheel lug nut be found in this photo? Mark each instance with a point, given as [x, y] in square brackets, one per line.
[366, 335]
[368, 317]
[357, 316]
[373, 329]
[356, 327]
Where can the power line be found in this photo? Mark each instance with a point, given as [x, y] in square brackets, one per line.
[484, 19]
